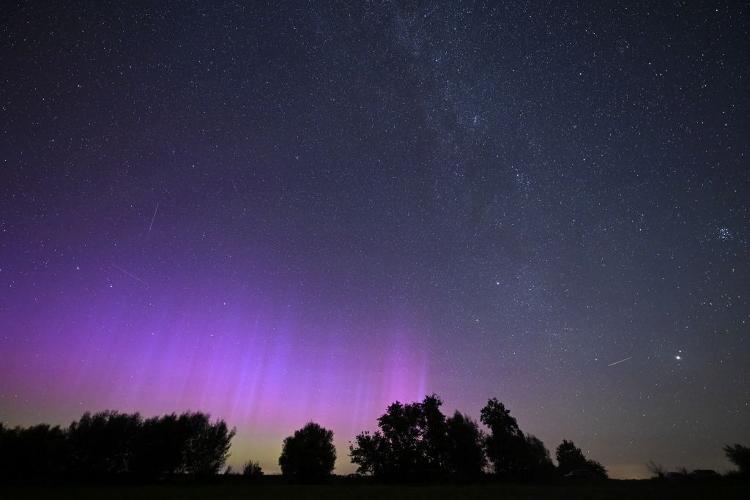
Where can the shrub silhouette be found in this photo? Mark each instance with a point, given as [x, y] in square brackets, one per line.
[308, 455]
[740, 456]
[571, 460]
[252, 470]
[657, 470]
[513, 454]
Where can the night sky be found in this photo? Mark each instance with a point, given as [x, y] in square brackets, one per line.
[282, 213]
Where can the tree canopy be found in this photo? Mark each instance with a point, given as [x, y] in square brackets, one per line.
[740, 456]
[111, 444]
[415, 441]
[513, 454]
[308, 455]
[571, 460]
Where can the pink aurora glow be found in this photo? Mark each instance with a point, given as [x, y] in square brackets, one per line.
[266, 374]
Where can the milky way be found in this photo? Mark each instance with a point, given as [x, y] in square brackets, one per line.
[278, 214]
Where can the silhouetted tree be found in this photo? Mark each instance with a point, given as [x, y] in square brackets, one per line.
[434, 437]
[412, 443]
[368, 452]
[740, 456]
[416, 442]
[391, 452]
[110, 444]
[513, 454]
[465, 447]
[252, 470]
[102, 444]
[504, 440]
[657, 470]
[159, 448]
[39, 451]
[206, 447]
[185, 444]
[401, 430]
[570, 459]
[536, 460]
[308, 455]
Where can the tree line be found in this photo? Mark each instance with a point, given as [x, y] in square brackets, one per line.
[416, 441]
[413, 442]
[111, 444]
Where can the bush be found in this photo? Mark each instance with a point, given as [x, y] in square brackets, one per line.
[252, 470]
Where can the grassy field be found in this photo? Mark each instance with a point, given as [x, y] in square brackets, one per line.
[639, 490]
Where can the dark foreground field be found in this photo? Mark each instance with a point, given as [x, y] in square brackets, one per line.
[639, 490]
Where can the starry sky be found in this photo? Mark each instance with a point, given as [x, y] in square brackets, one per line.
[282, 213]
